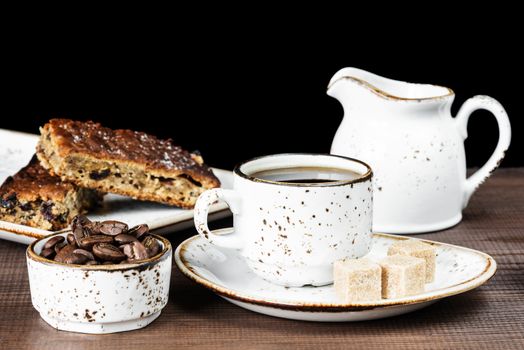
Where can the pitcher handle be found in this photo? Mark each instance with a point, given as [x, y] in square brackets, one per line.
[461, 121]
[225, 237]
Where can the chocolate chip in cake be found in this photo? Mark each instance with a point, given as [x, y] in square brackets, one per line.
[9, 201]
[99, 175]
[46, 210]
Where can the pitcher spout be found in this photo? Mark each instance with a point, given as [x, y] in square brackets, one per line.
[341, 83]
[350, 78]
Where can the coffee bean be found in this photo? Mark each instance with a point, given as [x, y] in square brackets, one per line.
[152, 246]
[79, 221]
[106, 251]
[93, 228]
[138, 231]
[107, 242]
[71, 239]
[89, 241]
[127, 250]
[47, 253]
[64, 253]
[135, 251]
[84, 252]
[124, 238]
[59, 246]
[77, 259]
[112, 227]
[78, 233]
[51, 242]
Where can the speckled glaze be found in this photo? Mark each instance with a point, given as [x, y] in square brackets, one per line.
[99, 298]
[224, 271]
[291, 234]
[416, 149]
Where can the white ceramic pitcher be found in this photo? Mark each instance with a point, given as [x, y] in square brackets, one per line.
[415, 147]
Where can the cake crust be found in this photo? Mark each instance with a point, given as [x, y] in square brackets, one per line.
[125, 162]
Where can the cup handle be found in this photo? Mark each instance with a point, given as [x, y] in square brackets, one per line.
[225, 237]
[461, 121]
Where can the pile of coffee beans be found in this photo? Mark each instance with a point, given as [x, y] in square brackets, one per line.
[101, 242]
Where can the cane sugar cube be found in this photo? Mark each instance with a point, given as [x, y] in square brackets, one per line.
[357, 280]
[402, 276]
[416, 249]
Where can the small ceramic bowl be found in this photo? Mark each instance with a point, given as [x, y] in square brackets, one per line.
[99, 298]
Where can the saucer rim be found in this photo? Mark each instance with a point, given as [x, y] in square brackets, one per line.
[470, 284]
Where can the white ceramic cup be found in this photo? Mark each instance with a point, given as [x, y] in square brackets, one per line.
[291, 233]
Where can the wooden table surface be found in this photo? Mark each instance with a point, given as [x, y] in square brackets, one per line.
[491, 316]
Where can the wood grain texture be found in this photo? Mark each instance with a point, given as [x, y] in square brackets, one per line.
[489, 317]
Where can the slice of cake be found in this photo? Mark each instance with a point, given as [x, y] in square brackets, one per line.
[35, 198]
[125, 162]
[417, 249]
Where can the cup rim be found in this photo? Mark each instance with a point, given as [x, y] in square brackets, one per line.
[364, 177]
[31, 254]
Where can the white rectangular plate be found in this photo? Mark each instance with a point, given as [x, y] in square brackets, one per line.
[16, 149]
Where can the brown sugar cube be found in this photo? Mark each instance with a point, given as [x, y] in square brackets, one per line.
[357, 280]
[402, 275]
[416, 249]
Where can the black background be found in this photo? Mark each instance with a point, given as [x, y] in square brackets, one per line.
[235, 96]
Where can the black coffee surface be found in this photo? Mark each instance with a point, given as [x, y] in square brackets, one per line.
[306, 175]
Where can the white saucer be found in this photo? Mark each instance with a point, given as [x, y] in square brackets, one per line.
[225, 272]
